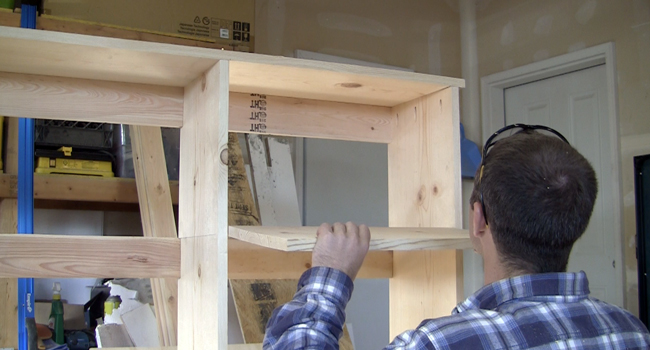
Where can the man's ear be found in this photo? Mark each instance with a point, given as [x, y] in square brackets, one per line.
[478, 220]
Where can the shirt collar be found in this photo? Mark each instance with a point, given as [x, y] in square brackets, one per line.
[567, 284]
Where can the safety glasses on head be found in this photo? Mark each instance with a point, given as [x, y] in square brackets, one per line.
[503, 133]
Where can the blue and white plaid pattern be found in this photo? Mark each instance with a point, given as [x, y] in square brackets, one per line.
[543, 311]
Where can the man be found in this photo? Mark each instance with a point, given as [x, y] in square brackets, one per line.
[532, 199]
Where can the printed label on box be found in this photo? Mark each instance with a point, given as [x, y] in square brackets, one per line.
[217, 28]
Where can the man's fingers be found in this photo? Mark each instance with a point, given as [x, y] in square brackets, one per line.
[364, 234]
[339, 228]
[351, 228]
[323, 228]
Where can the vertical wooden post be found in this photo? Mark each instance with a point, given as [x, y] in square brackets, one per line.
[425, 190]
[8, 224]
[203, 213]
[157, 216]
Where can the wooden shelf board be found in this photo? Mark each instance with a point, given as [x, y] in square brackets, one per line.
[382, 238]
[99, 58]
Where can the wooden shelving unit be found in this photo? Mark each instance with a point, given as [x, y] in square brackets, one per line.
[207, 93]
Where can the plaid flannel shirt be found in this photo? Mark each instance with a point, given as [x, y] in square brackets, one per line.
[543, 311]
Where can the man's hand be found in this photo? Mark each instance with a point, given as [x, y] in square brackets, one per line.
[342, 247]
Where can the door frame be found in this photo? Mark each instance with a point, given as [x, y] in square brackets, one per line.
[493, 114]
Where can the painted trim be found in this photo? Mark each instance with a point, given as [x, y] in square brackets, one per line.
[493, 112]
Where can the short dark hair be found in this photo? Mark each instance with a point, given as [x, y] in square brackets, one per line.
[539, 193]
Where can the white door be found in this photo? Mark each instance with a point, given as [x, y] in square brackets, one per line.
[575, 104]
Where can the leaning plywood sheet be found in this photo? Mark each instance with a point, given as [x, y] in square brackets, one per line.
[87, 57]
[382, 238]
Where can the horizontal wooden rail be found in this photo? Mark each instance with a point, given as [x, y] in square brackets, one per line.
[90, 100]
[60, 256]
[57, 256]
[140, 104]
[285, 116]
[80, 188]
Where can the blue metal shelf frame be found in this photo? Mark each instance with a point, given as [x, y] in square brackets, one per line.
[25, 195]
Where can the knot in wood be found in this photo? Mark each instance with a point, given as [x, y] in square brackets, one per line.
[204, 82]
[138, 258]
[421, 195]
[199, 271]
[350, 85]
[435, 190]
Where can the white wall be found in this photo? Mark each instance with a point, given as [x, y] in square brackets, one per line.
[349, 181]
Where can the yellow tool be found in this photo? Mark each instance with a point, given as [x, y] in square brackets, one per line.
[71, 166]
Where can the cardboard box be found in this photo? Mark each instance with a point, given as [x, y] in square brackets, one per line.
[73, 315]
[226, 22]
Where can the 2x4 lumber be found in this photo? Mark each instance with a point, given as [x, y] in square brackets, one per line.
[382, 238]
[203, 213]
[97, 58]
[424, 188]
[157, 216]
[127, 103]
[60, 256]
[139, 104]
[80, 188]
[133, 257]
[90, 100]
[9, 224]
[286, 116]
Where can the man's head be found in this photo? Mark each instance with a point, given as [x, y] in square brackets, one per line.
[538, 194]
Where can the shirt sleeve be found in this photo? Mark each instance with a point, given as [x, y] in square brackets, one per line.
[411, 340]
[314, 318]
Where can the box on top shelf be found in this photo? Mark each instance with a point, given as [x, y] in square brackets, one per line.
[225, 22]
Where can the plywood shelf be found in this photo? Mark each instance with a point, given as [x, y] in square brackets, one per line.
[382, 238]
